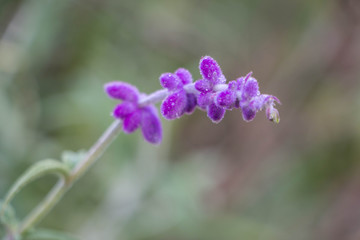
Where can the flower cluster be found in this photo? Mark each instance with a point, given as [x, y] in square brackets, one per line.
[179, 101]
[181, 96]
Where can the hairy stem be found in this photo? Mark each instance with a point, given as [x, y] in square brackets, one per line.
[96, 150]
[62, 186]
[153, 98]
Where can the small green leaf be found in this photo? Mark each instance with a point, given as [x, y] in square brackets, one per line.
[45, 234]
[8, 217]
[71, 158]
[8, 223]
[35, 171]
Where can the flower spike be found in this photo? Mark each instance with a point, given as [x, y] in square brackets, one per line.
[181, 96]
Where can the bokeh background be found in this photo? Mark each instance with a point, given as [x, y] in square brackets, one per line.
[296, 180]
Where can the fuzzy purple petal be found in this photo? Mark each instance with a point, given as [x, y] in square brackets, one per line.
[269, 99]
[211, 71]
[204, 99]
[184, 75]
[264, 100]
[225, 98]
[174, 105]
[215, 113]
[257, 103]
[261, 101]
[240, 83]
[170, 81]
[232, 85]
[248, 113]
[151, 125]
[276, 99]
[251, 88]
[122, 91]
[203, 85]
[191, 103]
[248, 76]
[124, 109]
[132, 122]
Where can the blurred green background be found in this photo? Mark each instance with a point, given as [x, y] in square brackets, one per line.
[235, 180]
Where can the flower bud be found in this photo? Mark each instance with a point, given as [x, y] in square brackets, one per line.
[272, 114]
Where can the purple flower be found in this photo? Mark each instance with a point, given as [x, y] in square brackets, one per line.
[132, 114]
[251, 101]
[211, 71]
[178, 101]
[272, 113]
[212, 76]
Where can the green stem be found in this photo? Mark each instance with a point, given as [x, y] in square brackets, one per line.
[45, 206]
[63, 186]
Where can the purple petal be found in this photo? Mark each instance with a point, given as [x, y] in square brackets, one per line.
[190, 103]
[225, 98]
[170, 81]
[248, 76]
[203, 85]
[248, 113]
[240, 83]
[276, 99]
[269, 99]
[124, 109]
[257, 103]
[233, 85]
[122, 91]
[261, 101]
[204, 99]
[151, 125]
[184, 75]
[215, 113]
[211, 71]
[174, 105]
[251, 88]
[132, 122]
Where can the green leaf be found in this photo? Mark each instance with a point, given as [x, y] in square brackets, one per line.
[45, 234]
[8, 217]
[35, 171]
[9, 223]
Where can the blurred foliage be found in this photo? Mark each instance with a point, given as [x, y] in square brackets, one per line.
[235, 180]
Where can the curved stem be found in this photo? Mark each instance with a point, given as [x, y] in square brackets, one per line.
[45, 206]
[62, 186]
[37, 170]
